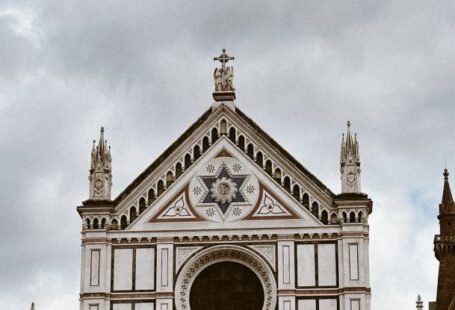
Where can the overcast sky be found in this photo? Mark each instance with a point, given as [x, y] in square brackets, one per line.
[143, 69]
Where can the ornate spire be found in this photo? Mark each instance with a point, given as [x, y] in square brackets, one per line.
[224, 79]
[350, 162]
[101, 170]
[419, 303]
[447, 204]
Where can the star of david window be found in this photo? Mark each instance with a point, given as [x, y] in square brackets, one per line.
[223, 189]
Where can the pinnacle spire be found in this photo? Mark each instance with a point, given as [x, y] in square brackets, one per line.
[447, 204]
[419, 303]
[350, 162]
[101, 169]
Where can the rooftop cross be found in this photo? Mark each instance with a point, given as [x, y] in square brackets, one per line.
[223, 58]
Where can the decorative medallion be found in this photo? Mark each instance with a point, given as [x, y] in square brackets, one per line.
[224, 189]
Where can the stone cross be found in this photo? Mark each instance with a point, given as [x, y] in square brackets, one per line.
[223, 58]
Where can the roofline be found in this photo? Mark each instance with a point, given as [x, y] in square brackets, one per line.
[276, 145]
[141, 177]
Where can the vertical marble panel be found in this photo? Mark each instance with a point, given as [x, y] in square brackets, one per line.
[355, 304]
[327, 265]
[286, 276]
[95, 267]
[353, 262]
[122, 307]
[123, 269]
[164, 267]
[328, 304]
[144, 306]
[307, 304]
[306, 269]
[145, 269]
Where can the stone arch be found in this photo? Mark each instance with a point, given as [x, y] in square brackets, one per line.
[224, 253]
[268, 166]
[352, 217]
[187, 161]
[160, 187]
[277, 175]
[178, 170]
[232, 134]
[103, 223]
[296, 192]
[205, 144]
[123, 222]
[87, 223]
[325, 217]
[334, 219]
[114, 224]
[223, 127]
[142, 205]
[306, 201]
[196, 152]
[360, 216]
[315, 209]
[214, 135]
[151, 196]
[250, 151]
[287, 183]
[242, 143]
[169, 178]
[133, 214]
[96, 223]
[260, 159]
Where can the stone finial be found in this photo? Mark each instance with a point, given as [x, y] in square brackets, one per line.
[224, 79]
[32, 307]
[101, 170]
[350, 162]
[419, 303]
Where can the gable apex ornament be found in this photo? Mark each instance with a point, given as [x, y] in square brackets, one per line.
[224, 81]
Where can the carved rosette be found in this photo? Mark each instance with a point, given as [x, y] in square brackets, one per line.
[225, 253]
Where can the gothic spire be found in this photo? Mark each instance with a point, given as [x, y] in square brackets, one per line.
[447, 204]
[419, 303]
[350, 162]
[101, 169]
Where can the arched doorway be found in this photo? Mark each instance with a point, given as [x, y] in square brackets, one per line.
[225, 259]
[226, 286]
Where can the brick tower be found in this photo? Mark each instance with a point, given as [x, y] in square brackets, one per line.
[444, 248]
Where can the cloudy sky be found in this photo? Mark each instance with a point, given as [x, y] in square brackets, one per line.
[143, 70]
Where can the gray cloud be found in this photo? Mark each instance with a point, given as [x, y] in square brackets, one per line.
[143, 70]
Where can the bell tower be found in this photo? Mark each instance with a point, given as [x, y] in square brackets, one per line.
[350, 163]
[101, 170]
[444, 249]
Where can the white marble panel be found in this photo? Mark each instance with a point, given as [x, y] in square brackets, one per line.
[327, 264]
[355, 304]
[95, 267]
[122, 307]
[123, 269]
[327, 304]
[145, 306]
[145, 269]
[354, 261]
[305, 265]
[307, 304]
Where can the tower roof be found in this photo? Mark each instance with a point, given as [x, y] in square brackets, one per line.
[447, 204]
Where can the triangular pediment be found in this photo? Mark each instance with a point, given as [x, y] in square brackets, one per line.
[224, 187]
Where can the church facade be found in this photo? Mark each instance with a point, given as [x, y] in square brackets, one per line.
[225, 219]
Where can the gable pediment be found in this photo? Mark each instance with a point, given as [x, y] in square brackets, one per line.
[224, 186]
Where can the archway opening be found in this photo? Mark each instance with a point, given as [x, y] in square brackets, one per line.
[226, 286]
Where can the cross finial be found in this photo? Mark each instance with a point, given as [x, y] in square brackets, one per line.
[223, 58]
